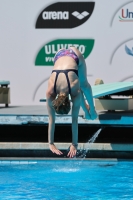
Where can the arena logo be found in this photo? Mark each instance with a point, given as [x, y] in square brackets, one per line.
[126, 15]
[65, 15]
[55, 15]
[45, 56]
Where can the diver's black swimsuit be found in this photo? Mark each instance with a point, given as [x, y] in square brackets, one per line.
[65, 52]
[66, 73]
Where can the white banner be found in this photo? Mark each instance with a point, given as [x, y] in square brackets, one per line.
[31, 32]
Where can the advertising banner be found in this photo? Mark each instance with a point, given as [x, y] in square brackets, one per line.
[33, 31]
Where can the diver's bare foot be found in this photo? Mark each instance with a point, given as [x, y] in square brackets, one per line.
[54, 149]
[72, 152]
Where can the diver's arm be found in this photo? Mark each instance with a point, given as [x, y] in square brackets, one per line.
[51, 127]
[75, 112]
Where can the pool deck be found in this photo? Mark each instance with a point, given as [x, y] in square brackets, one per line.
[37, 115]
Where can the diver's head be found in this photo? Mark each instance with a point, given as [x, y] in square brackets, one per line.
[61, 104]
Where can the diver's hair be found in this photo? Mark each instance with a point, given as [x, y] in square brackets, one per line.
[61, 104]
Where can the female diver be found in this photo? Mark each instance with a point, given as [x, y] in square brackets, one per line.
[69, 76]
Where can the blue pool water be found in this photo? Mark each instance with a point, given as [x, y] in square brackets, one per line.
[66, 180]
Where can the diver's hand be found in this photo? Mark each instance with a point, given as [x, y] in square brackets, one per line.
[72, 152]
[54, 149]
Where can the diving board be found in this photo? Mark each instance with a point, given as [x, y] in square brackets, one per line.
[100, 93]
[111, 88]
[4, 83]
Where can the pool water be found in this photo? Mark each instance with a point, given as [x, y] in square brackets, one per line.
[66, 180]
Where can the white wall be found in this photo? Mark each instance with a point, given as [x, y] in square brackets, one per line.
[20, 43]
